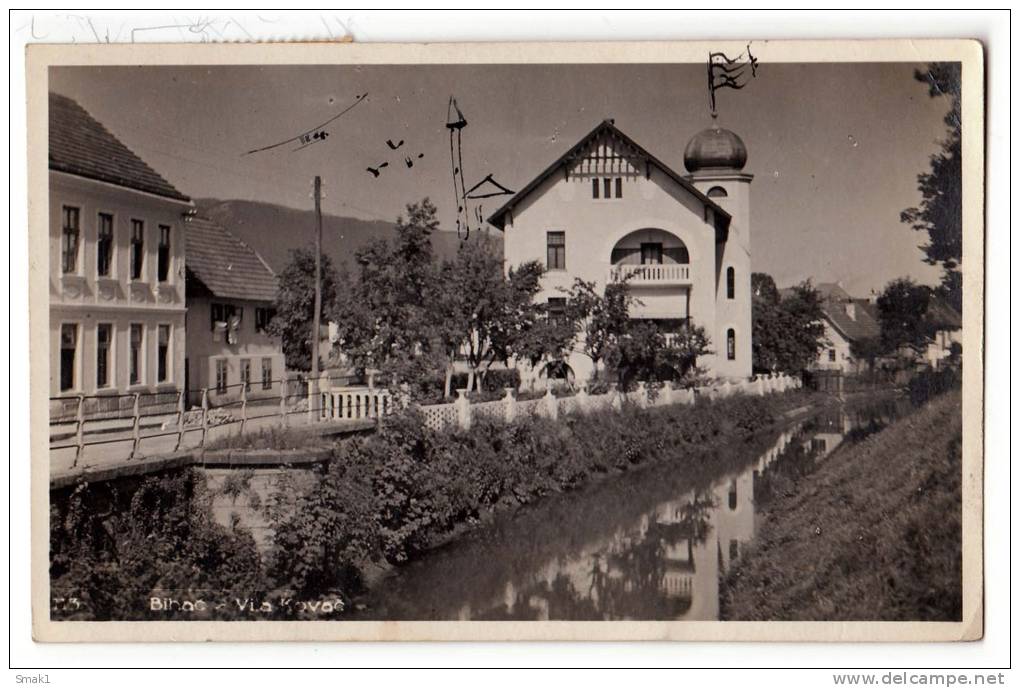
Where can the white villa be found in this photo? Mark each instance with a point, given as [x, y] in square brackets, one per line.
[608, 209]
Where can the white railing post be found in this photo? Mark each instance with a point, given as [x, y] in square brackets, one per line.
[135, 428]
[180, 419]
[463, 405]
[205, 416]
[244, 407]
[581, 398]
[552, 405]
[80, 429]
[667, 393]
[614, 397]
[283, 401]
[642, 394]
[510, 405]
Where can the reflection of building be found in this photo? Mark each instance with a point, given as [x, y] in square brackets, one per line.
[608, 210]
[116, 260]
[230, 297]
[832, 426]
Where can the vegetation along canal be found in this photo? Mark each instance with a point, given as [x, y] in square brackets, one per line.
[651, 543]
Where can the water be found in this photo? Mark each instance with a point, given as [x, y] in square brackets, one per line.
[649, 544]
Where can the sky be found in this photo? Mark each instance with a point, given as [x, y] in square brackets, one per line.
[835, 149]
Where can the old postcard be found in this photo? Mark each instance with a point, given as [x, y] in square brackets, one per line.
[507, 341]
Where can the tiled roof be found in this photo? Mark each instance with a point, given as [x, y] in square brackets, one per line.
[224, 264]
[80, 145]
[942, 315]
[835, 300]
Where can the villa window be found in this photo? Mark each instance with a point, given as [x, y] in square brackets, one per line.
[605, 186]
[137, 248]
[224, 312]
[731, 283]
[163, 256]
[556, 250]
[619, 187]
[832, 355]
[104, 339]
[163, 354]
[68, 355]
[731, 497]
[651, 254]
[104, 245]
[557, 307]
[731, 344]
[267, 373]
[69, 239]
[595, 188]
[221, 376]
[262, 318]
[136, 354]
[246, 374]
[717, 192]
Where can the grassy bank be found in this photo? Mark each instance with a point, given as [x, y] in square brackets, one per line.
[873, 534]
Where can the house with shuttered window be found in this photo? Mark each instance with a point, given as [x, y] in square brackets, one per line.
[116, 266]
[230, 293]
[608, 210]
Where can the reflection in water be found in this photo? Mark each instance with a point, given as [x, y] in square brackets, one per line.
[592, 557]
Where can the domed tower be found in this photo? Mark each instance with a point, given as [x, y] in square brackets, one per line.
[715, 160]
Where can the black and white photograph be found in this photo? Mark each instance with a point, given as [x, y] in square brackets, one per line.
[659, 338]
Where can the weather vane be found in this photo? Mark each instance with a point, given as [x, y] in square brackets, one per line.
[724, 72]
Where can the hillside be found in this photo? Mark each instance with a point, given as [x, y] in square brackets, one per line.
[273, 230]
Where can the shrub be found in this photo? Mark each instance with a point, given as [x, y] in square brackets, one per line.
[931, 383]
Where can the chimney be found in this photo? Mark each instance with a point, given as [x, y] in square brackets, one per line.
[851, 310]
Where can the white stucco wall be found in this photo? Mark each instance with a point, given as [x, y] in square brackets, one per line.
[85, 299]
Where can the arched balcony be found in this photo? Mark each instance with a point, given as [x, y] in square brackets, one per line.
[652, 257]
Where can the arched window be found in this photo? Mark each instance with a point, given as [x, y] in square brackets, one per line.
[717, 192]
[731, 344]
[731, 283]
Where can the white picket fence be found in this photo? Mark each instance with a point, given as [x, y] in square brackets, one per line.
[364, 402]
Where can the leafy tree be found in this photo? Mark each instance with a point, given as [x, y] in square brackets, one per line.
[902, 311]
[295, 305]
[940, 213]
[786, 333]
[868, 349]
[387, 316]
[645, 352]
[601, 318]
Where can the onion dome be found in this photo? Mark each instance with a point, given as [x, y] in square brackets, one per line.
[715, 149]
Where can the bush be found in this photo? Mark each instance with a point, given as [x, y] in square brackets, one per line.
[931, 383]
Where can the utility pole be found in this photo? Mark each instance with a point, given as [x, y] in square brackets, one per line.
[318, 280]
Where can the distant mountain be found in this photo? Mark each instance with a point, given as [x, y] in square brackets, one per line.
[273, 230]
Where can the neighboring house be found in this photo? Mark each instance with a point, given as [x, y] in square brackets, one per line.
[846, 320]
[947, 325]
[609, 209]
[116, 264]
[230, 294]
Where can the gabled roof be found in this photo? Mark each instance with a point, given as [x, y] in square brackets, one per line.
[835, 299]
[224, 265]
[80, 145]
[942, 315]
[575, 152]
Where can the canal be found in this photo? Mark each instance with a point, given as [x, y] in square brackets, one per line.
[650, 544]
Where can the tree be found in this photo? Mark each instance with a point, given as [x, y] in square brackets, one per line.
[295, 305]
[646, 352]
[387, 316]
[940, 213]
[902, 311]
[601, 318]
[786, 333]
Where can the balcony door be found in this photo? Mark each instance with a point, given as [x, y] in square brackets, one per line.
[651, 254]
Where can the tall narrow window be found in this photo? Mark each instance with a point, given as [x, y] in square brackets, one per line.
[69, 239]
[557, 307]
[619, 187]
[731, 344]
[732, 495]
[104, 340]
[267, 373]
[731, 283]
[262, 318]
[246, 374]
[607, 188]
[556, 250]
[68, 355]
[137, 249]
[136, 354]
[163, 257]
[104, 244]
[221, 376]
[595, 188]
[651, 254]
[163, 353]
